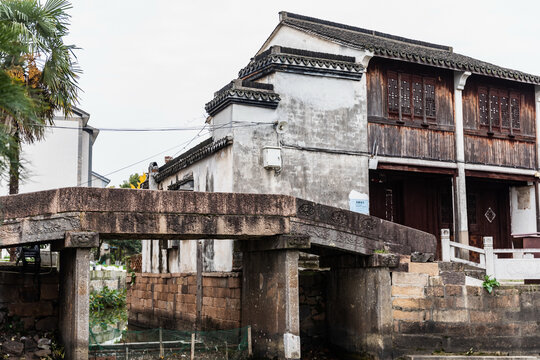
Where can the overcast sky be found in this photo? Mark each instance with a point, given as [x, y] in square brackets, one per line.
[154, 64]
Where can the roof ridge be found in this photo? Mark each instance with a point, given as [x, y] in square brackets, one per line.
[284, 15]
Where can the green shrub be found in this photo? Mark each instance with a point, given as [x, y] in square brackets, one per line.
[489, 283]
[107, 299]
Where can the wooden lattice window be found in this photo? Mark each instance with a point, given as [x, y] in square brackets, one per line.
[498, 110]
[483, 107]
[405, 95]
[494, 112]
[505, 113]
[430, 98]
[393, 93]
[411, 97]
[418, 97]
[514, 109]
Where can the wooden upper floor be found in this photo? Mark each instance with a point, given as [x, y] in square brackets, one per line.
[411, 113]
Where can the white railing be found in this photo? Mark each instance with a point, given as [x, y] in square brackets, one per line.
[522, 265]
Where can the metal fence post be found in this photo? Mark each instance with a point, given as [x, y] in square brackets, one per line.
[445, 244]
[250, 349]
[161, 342]
[192, 346]
[490, 256]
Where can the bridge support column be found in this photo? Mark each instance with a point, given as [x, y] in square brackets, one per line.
[74, 289]
[270, 302]
[359, 308]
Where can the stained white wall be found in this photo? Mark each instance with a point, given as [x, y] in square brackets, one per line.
[213, 174]
[523, 209]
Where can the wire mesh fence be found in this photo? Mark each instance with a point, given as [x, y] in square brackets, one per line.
[173, 344]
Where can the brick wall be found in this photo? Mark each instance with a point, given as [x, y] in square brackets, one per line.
[135, 263]
[170, 300]
[433, 309]
[26, 303]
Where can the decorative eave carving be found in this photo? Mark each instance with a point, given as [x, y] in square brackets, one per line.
[246, 93]
[199, 152]
[278, 58]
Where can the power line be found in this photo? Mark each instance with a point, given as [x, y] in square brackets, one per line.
[236, 124]
[145, 159]
[185, 143]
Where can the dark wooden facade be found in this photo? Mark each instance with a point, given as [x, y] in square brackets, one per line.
[419, 200]
[506, 142]
[409, 134]
[499, 129]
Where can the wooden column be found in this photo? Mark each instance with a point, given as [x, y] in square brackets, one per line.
[537, 183]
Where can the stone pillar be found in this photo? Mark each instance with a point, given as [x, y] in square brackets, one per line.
[74, 307]
[462, 235]
[270, 302]
[359, 310]
[74, 291]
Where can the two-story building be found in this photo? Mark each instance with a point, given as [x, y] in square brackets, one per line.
[433, 138]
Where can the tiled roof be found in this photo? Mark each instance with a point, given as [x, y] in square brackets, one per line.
[394, 47]
[302, 61]
[243, 92]
[199, 152]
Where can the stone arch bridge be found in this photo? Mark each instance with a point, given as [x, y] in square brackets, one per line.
[272, 228]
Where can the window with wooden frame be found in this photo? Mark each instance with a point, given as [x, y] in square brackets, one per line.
[498, 110]
[411, 97]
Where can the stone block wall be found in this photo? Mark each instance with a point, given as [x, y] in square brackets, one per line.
[312, 304]
[433, 309]
[170, 300]
[113, 279]
[27, 303]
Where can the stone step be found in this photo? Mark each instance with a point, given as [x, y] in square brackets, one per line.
[466, 357]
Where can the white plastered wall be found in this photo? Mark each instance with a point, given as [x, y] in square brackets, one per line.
[522, 209]
[213, 174]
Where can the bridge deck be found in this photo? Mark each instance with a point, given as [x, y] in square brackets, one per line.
[46, 216]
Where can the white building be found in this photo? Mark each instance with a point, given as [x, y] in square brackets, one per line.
[62, 159]
[429, 138]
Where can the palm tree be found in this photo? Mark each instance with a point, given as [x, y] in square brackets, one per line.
[38, 71]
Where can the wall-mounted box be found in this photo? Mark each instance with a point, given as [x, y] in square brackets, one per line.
[272, 157]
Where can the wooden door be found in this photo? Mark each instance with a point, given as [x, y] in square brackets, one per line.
[420, 201]
[488, 214]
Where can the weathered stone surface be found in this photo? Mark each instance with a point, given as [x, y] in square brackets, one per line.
[29, 344]
[383, 260]
[430, 268]
[270, 282]
[47, 324]
[48, 215]
[453, 277]
[81, 239]
[13, 347]
[366, 226]
[359, 310]
[422, 257]
[42, 353]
